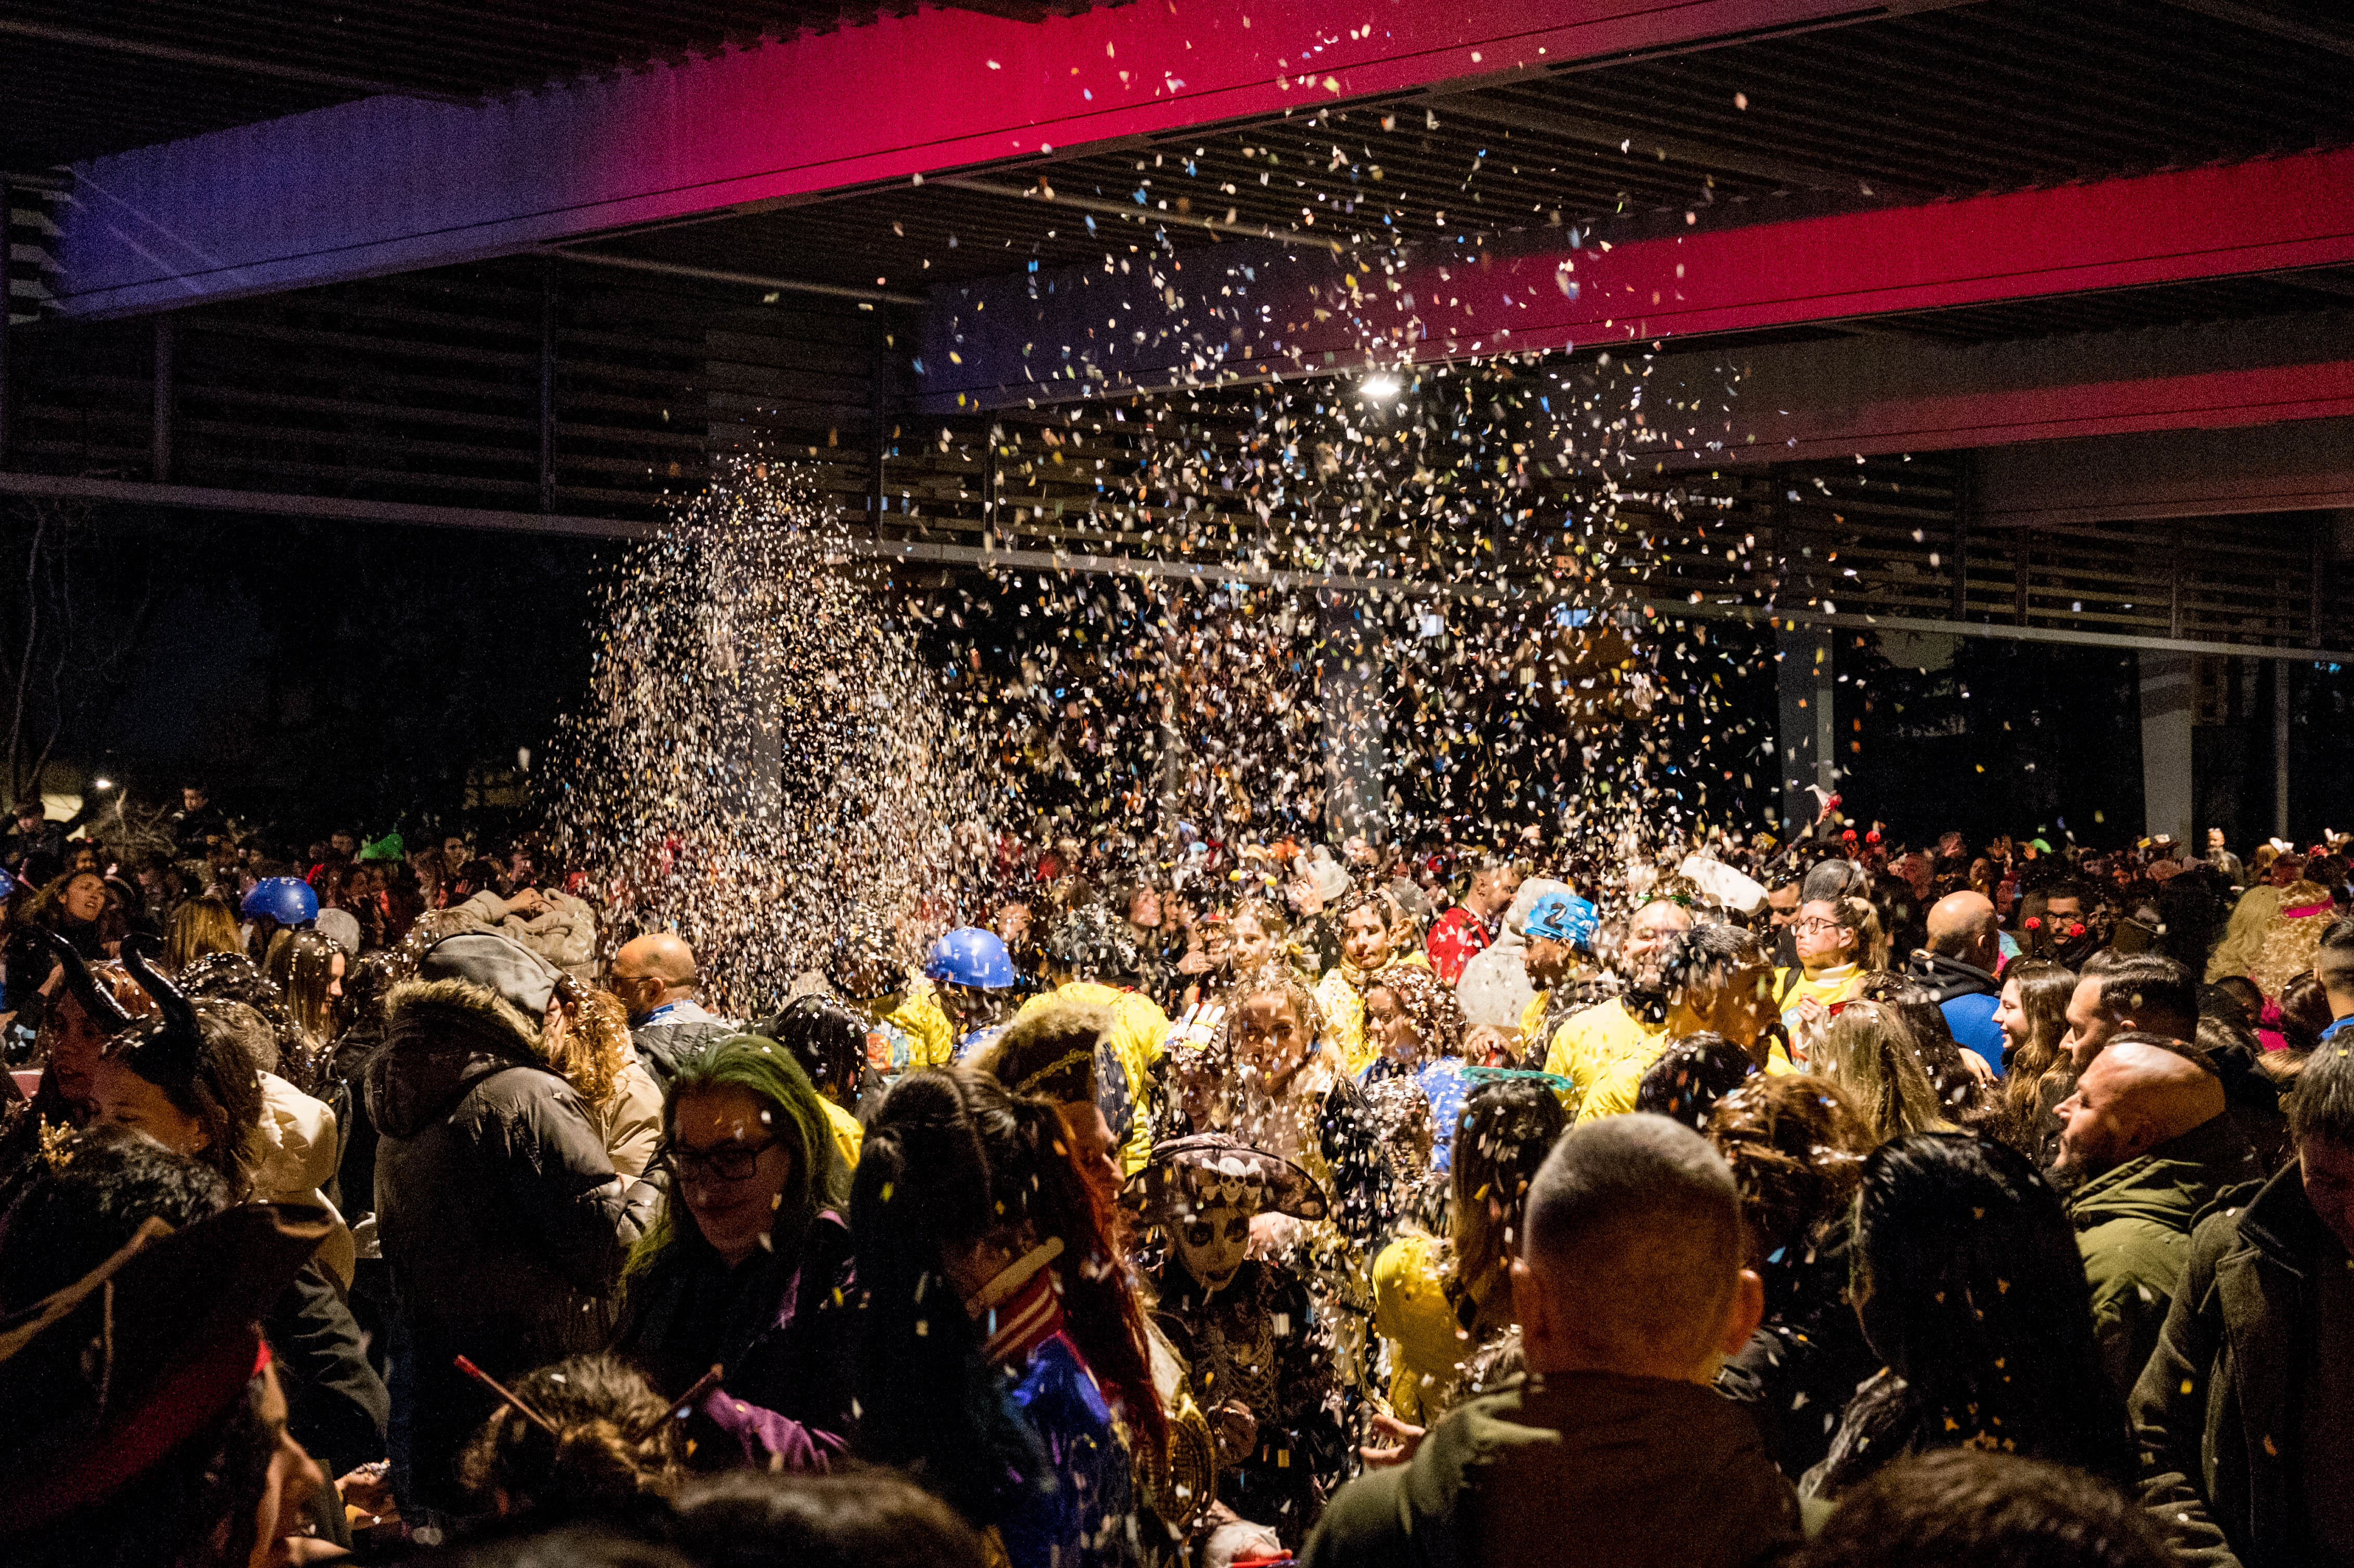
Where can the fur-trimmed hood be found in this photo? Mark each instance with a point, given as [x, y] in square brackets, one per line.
[440, 1038]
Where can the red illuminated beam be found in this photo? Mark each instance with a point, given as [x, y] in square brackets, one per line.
[2221, 399]
[1080, 333]
[391, 184]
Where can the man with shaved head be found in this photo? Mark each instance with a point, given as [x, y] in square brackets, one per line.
[1614, 1449]
[2149, 1152]
[1958, 965]
[653, 976]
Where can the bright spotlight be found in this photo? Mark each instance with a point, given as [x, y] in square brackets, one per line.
[1379, 386]
[103, 783]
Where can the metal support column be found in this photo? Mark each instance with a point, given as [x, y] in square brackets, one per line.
[1348, 695]
[991, 532]
[7, 306]
[2174, 579]
[160, 438]
[1808, 734]
[1966, 510]
[548, 384]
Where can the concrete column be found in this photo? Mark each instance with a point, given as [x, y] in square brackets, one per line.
[1809, 741]
[2166, 697]
[1349, 694]
[159, 461]
[2282, 670]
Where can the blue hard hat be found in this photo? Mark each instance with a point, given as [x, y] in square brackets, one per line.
[970, 955]
[1562, 918]
[285, 899]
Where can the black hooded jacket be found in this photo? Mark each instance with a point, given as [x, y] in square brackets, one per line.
[1946, 978]
[497, 1209]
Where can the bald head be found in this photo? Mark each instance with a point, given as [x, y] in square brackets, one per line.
[1630, 1258]
[2135, 1096]
[652, 970]
[1962, 927]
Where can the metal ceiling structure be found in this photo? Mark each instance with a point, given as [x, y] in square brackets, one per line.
[86, 78]
[2156, 459]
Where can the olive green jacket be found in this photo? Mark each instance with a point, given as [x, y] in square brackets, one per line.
[2216, 1411]
[2134, 1226]
[1587, 1469]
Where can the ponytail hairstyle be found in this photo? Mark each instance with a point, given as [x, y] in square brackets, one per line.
[1858, 916]
[615, 1441]
[951, 1158]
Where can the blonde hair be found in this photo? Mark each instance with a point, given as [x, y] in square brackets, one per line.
[595, 1046]
[301, 964]
[202, 927]
[1857, 915]
[1869, 1051]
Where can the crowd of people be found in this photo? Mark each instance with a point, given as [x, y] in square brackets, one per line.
[1742, 1200]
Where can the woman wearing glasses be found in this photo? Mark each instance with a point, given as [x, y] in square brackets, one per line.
[1837, 940]
[747, 1269]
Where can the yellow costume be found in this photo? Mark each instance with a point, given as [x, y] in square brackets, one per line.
[1411, 1311]
[1343, 1004]
[1830, 987]
[1532, 1019]
[1589, 1044]
[910, 1032]
[848, 1136]
[1613, 1093]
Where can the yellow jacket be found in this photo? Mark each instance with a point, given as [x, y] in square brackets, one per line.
[931, 1038]
[1344, 1006]
[848, 1136]
[1832, 986]
[1411, 1312]
[1532, 1019]
[1613, 1093]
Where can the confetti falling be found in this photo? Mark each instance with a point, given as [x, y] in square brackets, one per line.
[762, 767]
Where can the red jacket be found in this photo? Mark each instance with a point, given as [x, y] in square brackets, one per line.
[1453, 937]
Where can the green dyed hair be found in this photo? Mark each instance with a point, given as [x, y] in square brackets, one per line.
[765, 1071]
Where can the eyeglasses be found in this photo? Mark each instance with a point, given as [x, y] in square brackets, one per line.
[727, 1163]
[1815, 925]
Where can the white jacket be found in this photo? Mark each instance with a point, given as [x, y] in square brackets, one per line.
[295, 1152]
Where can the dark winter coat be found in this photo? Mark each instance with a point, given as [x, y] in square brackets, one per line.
[778, 1328]
[336, 1405]
[502, 1219]
[2134, 1224]
[1588, 1468]
[1807, 1359]
[2216, 1410]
